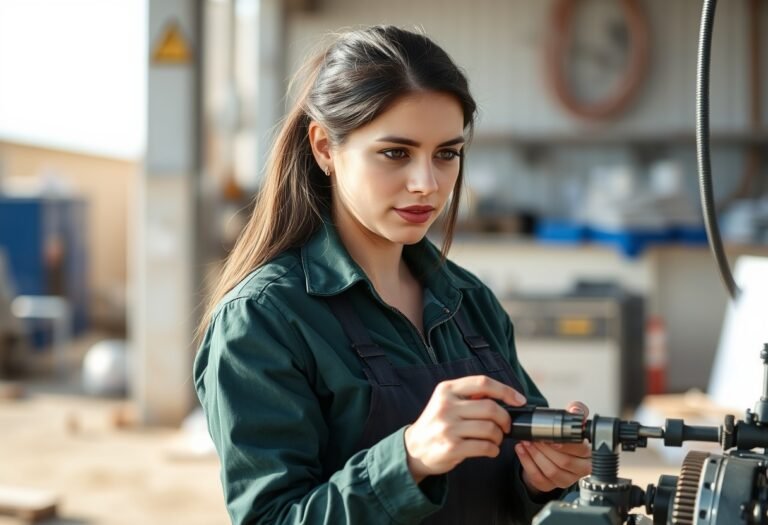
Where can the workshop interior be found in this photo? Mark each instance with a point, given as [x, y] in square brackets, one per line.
[616, 201]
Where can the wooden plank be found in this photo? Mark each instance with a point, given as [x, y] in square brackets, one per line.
[28, 504]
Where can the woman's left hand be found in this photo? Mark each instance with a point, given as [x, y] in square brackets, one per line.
[547, 466]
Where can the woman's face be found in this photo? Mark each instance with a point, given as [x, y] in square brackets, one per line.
[394, 175]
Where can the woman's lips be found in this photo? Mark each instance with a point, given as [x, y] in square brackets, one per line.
[415, 215]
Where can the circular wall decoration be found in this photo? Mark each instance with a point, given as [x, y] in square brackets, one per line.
[561, 44]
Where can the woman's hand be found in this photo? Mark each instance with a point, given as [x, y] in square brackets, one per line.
[462, 420]
[547, 466]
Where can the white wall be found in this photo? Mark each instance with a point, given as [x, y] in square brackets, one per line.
[500, 45]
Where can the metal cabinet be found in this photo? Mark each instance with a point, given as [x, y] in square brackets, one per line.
[582, 347]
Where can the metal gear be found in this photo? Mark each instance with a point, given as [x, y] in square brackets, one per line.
[683, 506]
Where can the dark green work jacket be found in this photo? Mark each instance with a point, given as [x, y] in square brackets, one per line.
[286, 398]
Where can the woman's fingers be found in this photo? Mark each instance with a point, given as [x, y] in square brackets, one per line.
[486, 409]
[582, 450]
[474, 448]
[577, 407]
[462, 419]
[554, 472]
[531, 471]
[483, 386]
[561, 459]
[480, 430]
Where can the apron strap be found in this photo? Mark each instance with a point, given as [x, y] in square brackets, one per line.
[372, 355]
[476, 343]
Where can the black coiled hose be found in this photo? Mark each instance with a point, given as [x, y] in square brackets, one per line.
[702, 147]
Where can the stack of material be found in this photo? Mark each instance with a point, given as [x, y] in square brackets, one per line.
[10, 327]
[27, 504]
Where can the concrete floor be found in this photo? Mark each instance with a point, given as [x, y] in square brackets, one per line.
[108, 473]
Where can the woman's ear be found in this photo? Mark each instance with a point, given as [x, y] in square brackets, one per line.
[321, 146]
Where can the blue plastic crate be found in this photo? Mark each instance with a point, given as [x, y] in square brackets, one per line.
[560, 231]
[631, 242]
[696, 235]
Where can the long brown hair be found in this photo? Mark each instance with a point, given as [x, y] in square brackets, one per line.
[355, 79]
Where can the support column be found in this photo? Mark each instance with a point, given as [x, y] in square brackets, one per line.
[270, 83]
[162, 315]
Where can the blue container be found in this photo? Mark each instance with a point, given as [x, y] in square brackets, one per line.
[631, 242]
[695, 235]
[560, 231]
[30, 228]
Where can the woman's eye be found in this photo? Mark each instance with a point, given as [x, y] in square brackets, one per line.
[448, 154]
[395, 154]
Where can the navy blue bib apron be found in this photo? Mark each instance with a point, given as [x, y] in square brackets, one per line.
[479, 489]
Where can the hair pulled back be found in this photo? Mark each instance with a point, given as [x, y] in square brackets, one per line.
[346, 86]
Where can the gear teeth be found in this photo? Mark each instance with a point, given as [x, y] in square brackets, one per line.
[684, 504]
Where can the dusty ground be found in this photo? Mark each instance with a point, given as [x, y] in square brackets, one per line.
[56, 439]
[103, 475]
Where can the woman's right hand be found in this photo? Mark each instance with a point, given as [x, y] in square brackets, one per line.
[462, 420]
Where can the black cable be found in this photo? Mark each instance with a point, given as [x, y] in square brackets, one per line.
[702, 147]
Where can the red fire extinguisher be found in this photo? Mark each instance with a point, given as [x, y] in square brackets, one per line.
[655, 355]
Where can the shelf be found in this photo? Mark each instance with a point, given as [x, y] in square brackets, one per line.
[511, 239]
[598, 138]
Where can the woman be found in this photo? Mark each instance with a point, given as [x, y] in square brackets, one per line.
[349, 372]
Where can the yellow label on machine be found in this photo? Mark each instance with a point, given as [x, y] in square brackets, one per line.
[575, 326]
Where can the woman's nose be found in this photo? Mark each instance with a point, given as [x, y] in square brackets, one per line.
[422, 179]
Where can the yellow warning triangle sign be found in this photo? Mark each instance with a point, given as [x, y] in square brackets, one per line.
[172, 47]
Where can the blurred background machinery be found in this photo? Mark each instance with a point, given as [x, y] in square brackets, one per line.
[587, 344]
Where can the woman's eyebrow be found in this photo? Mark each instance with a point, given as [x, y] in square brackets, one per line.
[409, 142]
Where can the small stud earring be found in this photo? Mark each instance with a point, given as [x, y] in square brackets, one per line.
[327, 171]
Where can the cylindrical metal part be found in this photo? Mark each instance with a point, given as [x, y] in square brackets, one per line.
[764, 356]
[695, 433]
[761, 407]
[751, 436]
[676, 432]
[651, 432]
[605, 466]
[660, 498]
[547, 424]
[673, 432]
[604, 433]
